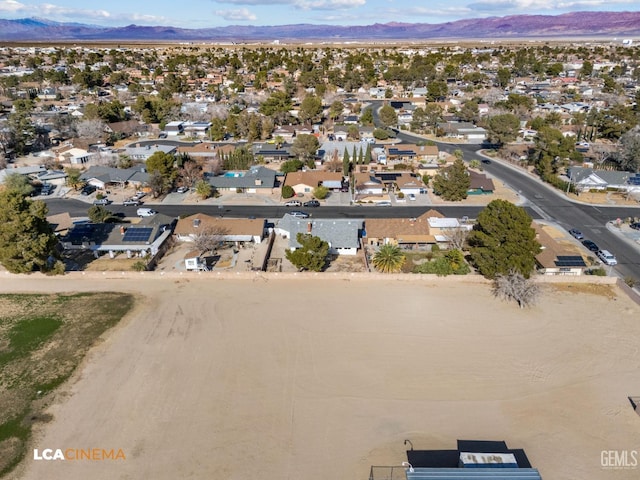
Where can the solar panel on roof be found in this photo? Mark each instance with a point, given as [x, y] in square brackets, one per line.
[570, 261]
[137, 234]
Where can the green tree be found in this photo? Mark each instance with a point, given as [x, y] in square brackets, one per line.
[437, 90]
[336, 109]
[291, 166]
[305, 147]
[453, 182]
[320, 192]
[388, 259]
[367, 117]
[503, 241]
[162, 171]
[99, 214]
[310, 109]
[16, 182]
[204, 189]
[503, 128]
[277, 106]
[73, 177]
[346, 163]
[388, 116]
[312, 254]
[27, 241]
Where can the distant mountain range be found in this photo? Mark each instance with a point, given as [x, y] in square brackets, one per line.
[577, 24]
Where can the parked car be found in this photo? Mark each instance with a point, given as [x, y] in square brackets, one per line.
[182, 189]
[139, 195]
[299, 214]
[383, 204]
[47, 189]
[576, 234]
[412, 196]
[87, 190]
[293, 203]
[311, 203]
[102, 201]
[146, 212]
[131, 202]
[590, 245]
[607, 257]
[635, 226]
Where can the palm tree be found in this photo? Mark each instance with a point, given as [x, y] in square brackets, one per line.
[389, 259]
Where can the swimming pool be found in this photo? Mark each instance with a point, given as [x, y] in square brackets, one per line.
[234, 174]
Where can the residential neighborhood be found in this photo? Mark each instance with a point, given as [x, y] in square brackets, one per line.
[121, 126]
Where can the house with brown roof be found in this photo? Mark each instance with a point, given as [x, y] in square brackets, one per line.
[480, 184]
[409, 184]
[368, 184]
[556, 259]
[228, 229]
[401, 231]
[307, 181]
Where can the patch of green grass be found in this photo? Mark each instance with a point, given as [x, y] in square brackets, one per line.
[43, 340]
[29, 333]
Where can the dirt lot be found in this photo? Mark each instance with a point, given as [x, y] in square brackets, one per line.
[320, 379]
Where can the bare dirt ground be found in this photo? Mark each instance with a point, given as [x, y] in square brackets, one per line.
[320, 379]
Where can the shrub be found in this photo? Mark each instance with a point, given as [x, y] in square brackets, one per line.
[139, 266]
[400, 195]
[598, 272]
[287, 191]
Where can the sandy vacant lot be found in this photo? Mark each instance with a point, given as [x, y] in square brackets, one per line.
[320, 379]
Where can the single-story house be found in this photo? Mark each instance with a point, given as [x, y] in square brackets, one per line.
[585, 179]
[342, 234]
[367, 184]
[555, 259]
[138, 239]
[410, 184]
[480, 184]
[101, 177]
[307, 181]
[228, 229]
[138, 152]
[30, 171]
[54, 177]
[257, 179]
[401, 231]
[74, 156]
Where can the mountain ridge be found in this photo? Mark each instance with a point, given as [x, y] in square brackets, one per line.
[576, 24]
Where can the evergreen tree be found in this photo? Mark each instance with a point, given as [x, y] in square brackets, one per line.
[312, 254]
[453, 183]
[503, 241]
[27, 241]
[346, 163]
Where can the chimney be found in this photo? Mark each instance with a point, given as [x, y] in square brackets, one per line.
[122, 230]
[309, 227]
[196, 222]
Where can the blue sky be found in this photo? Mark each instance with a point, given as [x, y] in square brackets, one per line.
[216, 13]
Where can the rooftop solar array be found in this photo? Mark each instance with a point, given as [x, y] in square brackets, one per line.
[570, 261]
[133, 234]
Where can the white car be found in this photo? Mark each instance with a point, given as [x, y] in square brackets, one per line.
[293, 203]
[146, 212]
[607, 257]
[412, 196]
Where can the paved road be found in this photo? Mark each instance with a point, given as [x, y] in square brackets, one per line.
[552, 205]
[77, 208]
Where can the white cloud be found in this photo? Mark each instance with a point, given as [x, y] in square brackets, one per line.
[11, 6]
[241, 14]
[303, 4]
[329, 4]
